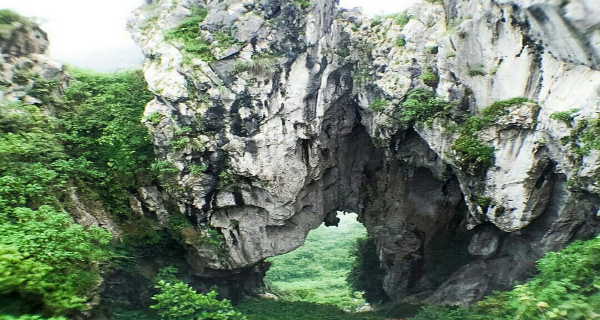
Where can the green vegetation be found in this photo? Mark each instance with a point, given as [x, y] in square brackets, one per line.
[188, 33]
[366, 275]
[567, 287]
[8, 19]
[402, 19]
[93, 141]
[259, 64]
[421, 106]
[401, 41]
[473, 153]
[564, 116]
[178, 301]
[265, 309]
[317, 271]
[46, 258]
[378, 105]
[430, 78]
[475, 71]
[585, 137]
[223, 38]
[303, 4]
[197, 169]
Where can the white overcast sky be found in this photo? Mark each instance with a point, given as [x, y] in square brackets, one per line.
[91, 29]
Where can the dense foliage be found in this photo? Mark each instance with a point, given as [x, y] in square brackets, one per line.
[567, 287]
[89, 140]
[317, 271]
[178, 301]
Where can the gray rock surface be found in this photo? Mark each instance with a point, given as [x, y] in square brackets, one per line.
[282, 122]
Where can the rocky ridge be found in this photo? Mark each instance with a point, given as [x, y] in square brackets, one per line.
[279, 114]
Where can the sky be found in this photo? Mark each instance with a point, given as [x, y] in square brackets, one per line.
[91, 34]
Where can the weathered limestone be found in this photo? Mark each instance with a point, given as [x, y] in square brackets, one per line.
[280, 119]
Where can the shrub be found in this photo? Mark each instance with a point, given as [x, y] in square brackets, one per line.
[178, 301]
[303, 4]
[48, 258]
[259, 64]
[429, 78]
[476, 72]
[567, 287]
[197, 169]
[378, 105]
[473, 153]
[402, 19]
[188, 32]
[421, 106]
[564, 116]
[401, 41]
[500, 107]
[585, 137]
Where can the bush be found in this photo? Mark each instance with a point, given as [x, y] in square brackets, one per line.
[45, 257]
[378, 105]
[188, 32]
[421, 106]
[473, 153]
[429, 78]
[564, 116]
[567, 287]
[178, 301]
[585, 137]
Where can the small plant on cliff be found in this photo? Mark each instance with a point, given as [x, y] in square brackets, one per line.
[473, 153]
[401, 41]
[304, 4]
[564, 116]
[585, 137]
[430, 78]
[378, 105]
[421, 106]
[188, 33]
[178, 301]
[476, 70]
[8, 19]
[402, 19]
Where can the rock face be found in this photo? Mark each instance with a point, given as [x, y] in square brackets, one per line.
[277, 114]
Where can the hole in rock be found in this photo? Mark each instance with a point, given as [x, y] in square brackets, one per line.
[317, 271]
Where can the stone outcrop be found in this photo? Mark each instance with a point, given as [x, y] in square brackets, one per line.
[268, 114]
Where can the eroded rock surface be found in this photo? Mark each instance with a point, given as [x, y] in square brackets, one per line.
[270, 120]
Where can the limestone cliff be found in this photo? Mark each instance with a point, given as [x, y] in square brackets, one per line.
[277, 114]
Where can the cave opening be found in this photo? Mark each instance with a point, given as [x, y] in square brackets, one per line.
[318, 270]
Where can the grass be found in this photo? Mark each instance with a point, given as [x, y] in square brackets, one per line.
[317, 271]
[298, 310]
